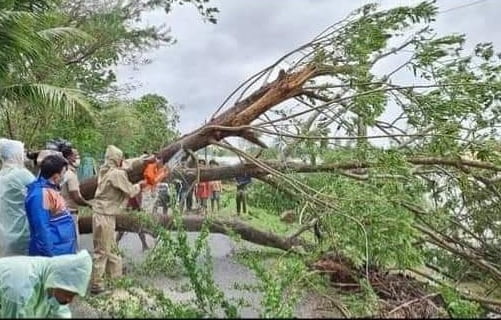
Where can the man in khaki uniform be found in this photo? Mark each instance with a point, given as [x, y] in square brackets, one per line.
[113, 189]
[128, 164]
[70, 188]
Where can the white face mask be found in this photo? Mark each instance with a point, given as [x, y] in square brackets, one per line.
[64, 180]
[76, 163]
[64, 177]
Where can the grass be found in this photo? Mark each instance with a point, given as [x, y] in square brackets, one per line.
[84, 212]
[256, 217]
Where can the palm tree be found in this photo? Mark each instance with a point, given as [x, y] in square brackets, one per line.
[28, 40]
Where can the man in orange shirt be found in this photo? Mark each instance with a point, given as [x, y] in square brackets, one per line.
[152, 174]
[155, 172]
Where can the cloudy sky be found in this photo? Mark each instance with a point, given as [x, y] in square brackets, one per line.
[209, 61]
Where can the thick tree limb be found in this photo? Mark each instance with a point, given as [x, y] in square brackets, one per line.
[88, 187]
[229, 172]
[131, 223]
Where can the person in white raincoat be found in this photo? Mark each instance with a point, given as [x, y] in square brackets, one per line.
[14, 177]
[42, 287]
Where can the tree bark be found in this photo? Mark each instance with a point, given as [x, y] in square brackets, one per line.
[131, 223]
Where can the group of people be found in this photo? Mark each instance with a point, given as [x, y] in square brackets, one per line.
[41, 267]
[203, 191]
[208, 190]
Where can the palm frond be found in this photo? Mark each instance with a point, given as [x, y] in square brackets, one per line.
[15, 34]
[48, 97]
[62, 33]
[12, 15]
[28, 5]
[26, 40]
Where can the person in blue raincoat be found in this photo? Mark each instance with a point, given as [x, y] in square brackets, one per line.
[52, 228]
[42, 287]
[14, 177]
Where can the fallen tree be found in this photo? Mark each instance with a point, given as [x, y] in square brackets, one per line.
[331, 81]
[242, 113]
[191, 223]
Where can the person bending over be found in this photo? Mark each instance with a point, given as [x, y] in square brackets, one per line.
[42, 287]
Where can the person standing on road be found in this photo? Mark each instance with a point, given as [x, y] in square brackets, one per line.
[203, 190]
[186, 195]
[113, 190]
[70, 188]
[14, 179]
[163, 198]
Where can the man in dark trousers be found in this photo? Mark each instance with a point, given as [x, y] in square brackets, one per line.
[242, 183]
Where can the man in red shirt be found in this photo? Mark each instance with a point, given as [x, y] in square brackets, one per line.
[203, 190]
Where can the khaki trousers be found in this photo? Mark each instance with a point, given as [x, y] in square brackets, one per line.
[106, 258]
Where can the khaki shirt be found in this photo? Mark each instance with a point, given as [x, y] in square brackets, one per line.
[113, 190]
[71, 184]
[132, 164]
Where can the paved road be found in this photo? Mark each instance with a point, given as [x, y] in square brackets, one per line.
[227, 272]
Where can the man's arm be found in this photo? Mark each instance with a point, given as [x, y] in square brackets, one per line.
[120, 181]
[77, 198]
[138, 162]
[38, 218]
[74, 189]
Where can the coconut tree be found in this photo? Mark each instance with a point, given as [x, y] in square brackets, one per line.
[30, 40]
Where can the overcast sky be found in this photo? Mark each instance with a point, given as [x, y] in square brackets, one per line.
[209, 61]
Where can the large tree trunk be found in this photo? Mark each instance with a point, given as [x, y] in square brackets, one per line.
[131, 223]
[233, 121]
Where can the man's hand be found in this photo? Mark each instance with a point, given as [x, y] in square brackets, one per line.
[77, 198]
[143, 184]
